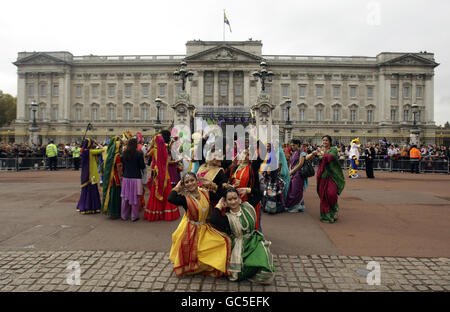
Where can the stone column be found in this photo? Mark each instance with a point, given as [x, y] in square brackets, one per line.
[21, 97]
[65, 95]
[216, 88]
[429, 98]
[382, 104]
[230, 89]
[201, 87]
[246, 93]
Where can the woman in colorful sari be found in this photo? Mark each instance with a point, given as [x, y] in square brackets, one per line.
[330, 180]
[246, 181]
[90, 198]
[250, 254]
[294, 198]
[196, 246]
[159, 184]
[211, 171]
[112, 175]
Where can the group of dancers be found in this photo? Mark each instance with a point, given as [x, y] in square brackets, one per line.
[220, 233]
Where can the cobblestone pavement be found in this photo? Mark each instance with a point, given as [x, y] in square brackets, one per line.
[116, 271]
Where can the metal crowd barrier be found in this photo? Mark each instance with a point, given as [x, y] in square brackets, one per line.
[33, 163]
[427, 165]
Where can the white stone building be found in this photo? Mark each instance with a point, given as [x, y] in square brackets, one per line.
[345, 97]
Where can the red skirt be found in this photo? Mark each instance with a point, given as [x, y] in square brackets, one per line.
[160, 210]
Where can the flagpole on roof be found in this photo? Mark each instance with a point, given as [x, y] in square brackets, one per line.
[223, 24]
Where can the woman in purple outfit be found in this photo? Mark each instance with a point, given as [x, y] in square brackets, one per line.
[90, 198]
[294, 198]
[132, 189]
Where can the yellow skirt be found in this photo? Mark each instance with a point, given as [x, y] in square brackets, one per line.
[213, 248]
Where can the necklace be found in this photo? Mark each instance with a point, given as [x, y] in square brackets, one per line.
[236, 213]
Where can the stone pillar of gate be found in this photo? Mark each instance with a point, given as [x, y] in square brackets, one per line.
[263, 116]
[183, 110]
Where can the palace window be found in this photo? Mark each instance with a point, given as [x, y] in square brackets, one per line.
[352, 92]
[223, 89]
[238, 89]
[394, 92]
[406, 115]
[95, 91]
[285, 90]
[208, 89]
[31, 90]
[406, 92]
[319, 114]
[162, 89]
[145, 90]
[370, 92]
[78, 91]
[353, 115]
[128, 90]
[43, 90]
[55, 113]
[111, 90]
[94, 114]
[111, 113]
[393, 115]
[301, 91]
[418, 92]
[302, 114]
[369, 115]
[335, 114]
[144, 113]
[319, 91]
[78, 114]
[127, 113]
[55, 90]
[336, 91]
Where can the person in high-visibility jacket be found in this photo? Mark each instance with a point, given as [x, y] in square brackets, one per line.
[415, 157]
[52, 153]
[76, 153]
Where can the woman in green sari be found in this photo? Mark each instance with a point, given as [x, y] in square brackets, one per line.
[250, 255]
[112, 174]
[330, 180]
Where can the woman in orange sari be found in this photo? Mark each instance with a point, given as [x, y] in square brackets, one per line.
[245, 179]
[158, 208]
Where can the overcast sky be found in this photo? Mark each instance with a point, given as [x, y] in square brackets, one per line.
[297, 27]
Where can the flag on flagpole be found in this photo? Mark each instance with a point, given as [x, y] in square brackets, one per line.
[226, 21]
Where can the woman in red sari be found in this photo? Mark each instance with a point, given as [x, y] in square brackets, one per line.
[245, 179]
[158, 208]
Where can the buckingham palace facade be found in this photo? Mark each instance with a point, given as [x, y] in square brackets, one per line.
[344, 96]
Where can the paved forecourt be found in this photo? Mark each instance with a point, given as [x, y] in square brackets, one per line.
[397, 220]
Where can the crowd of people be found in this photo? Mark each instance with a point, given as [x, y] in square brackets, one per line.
[220, 233]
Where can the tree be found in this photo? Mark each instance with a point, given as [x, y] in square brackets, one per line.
[8, 105]
[447, 125]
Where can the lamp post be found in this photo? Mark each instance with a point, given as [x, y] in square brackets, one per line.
[263, 74]
[34, 107]
[415, 109]
[288, 107]
[184, 74]
[158, 106]
[415, 132]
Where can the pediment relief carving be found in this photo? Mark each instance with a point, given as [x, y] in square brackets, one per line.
[410, 60]
[224, 53]
[40, 59]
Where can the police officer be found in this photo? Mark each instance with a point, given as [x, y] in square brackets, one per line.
[76, 156]
[51, 152]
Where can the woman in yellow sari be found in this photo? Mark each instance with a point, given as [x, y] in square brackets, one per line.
[196, 246]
